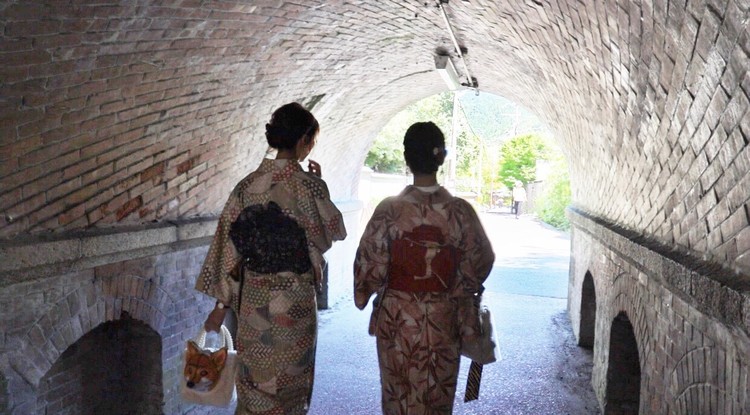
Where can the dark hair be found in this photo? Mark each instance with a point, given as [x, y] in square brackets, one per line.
[290, 123]
[424, 148]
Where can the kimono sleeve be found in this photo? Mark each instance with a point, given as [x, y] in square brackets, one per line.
[372, 257]
[222, 259]
[478, 257]
[329, 226]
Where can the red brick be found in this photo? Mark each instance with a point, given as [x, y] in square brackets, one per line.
[9, 198]
[45, 124]
[115, 106]
[97, 174]
[106, 73]
[24, 58]
[129, 207]
[79, 168]
[62, 189]
[70, 215]
[153, 173]
[15, 45]
[46, 212]
[112, 205]
[21, 11]
[86, 89]
[185, 166]
[21, 117]
[32, 28]
[58, 40]
[127, 184]
[82, 194]
[96, 149]
[7, 167]
[99, 122]
[14, 74]
[19, 148]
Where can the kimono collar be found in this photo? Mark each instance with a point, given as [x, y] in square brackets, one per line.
[413, 194]
[279, 166]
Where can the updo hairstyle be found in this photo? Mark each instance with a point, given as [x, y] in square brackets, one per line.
[290, 123]
[424, 148]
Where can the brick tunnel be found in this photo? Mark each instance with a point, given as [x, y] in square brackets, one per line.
[125, 124]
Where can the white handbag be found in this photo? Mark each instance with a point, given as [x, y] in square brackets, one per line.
[485, 349]
[224, 392]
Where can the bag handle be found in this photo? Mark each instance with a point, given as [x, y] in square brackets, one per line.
[226, 338]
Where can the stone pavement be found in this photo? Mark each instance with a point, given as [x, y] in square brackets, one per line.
[542, 371]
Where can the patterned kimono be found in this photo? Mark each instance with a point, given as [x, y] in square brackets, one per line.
[418, 333]
[277, 328]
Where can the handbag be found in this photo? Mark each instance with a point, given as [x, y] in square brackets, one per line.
[482, 349]
[223, 392]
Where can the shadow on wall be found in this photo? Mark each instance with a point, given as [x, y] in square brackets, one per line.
[624, 371]
[588, 313]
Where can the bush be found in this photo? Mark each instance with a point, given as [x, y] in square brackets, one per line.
[550, 207]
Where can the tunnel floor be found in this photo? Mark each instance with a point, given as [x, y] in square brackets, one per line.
[542, 371]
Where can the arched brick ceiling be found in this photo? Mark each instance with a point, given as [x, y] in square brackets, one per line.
[124, 112]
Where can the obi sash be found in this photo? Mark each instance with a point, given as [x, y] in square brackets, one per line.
[421, 261]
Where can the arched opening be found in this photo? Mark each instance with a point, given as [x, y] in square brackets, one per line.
[624, 369]
[588, 313]
[115, 368]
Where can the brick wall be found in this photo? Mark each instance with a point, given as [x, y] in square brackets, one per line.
[60, 311]
[114, 368]
[131, 112]
[691, 338]
[53, 314]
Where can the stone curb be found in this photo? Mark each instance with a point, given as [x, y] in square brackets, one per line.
[64, 253]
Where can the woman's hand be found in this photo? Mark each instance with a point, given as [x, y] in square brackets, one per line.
[314, 168]
[215, 320]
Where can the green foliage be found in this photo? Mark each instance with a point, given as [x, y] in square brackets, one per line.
[518, 158]
[387, 152]
[550, 206]
[486, 159]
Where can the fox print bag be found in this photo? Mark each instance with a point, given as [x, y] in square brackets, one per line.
[209, 373]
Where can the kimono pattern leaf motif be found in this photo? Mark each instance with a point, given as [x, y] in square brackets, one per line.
[418, 333]
[277, 325]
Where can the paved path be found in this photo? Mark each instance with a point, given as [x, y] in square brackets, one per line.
[542, 371]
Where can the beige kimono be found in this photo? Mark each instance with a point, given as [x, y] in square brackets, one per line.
[278, 315]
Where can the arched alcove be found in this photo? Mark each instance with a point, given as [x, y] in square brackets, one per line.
[624, 369]
[116, 368]
[588, 313]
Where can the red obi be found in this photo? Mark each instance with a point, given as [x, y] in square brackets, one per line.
[422, 262]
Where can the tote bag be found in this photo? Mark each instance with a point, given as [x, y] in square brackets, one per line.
[485, 349]
[224, 392]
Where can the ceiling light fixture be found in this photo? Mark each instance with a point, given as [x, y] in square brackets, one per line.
[471, 82]
[447, 71]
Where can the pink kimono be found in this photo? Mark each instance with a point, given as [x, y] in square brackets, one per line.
[418, 332]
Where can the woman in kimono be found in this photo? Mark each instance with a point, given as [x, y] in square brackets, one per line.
[266, 261]
[425, 254]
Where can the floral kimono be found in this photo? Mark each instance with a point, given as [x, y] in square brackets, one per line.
[277, 324]
[420, 315]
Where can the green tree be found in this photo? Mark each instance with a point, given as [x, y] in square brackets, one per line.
[551, 205]
[387, 152]
[518, 158]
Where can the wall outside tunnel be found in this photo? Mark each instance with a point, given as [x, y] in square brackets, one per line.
[145, 114]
